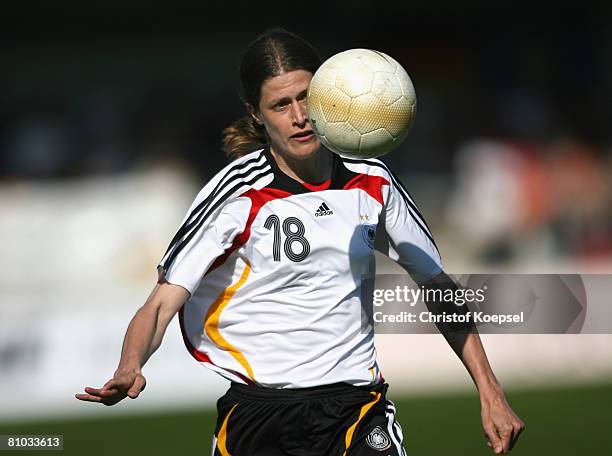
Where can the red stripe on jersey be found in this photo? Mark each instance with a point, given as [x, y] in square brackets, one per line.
[317, 187]
[371, 184]
[201, 356]
[258, 199]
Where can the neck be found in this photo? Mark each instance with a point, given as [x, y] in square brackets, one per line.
[314, 169]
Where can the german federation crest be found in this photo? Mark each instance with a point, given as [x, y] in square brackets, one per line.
[369, 234]
[378, 440]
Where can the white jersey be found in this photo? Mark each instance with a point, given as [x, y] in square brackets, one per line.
[274, 268]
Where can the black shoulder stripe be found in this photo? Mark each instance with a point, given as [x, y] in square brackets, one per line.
[188, 224]
[396, 181]
[398, 185]
[364, 162]
[416, 215]
[206, 214]
[414, 211]
[407, 197]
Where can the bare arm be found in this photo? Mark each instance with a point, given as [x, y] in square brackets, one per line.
[143, 336]
[501, 425]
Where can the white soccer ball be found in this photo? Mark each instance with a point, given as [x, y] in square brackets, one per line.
[361, 103]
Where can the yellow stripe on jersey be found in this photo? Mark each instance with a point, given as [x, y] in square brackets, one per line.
[222, 437]
[349, 434]
[211, 321]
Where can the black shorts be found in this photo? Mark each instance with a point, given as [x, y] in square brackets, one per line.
[330, 420]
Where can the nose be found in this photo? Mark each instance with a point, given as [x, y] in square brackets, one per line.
[299, 113]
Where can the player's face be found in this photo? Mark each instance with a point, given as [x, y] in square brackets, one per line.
[282, 109]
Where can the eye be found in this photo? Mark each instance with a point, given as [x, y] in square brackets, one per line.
[280, 106]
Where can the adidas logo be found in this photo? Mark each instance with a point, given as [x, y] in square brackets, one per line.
[323, 210]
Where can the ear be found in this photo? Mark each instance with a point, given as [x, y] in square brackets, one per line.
[254, 114]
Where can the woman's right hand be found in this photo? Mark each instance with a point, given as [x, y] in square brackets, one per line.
[125, 382]
[144, 335]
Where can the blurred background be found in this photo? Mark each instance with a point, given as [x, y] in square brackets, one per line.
[110, 122]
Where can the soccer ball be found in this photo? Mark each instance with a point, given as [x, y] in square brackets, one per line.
[361, 103]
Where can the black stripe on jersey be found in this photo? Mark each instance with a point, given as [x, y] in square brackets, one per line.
[340, 175]
[398, 185]
[218, 188]
[412, 209]
[209, 210]
[407, 197]
[187, 226]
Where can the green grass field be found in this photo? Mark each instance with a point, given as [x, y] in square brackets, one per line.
[568, 421]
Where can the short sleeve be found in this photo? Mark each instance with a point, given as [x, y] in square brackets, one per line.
[406, 238]
[206, 234]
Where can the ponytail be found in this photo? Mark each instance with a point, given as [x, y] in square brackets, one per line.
[242, 137]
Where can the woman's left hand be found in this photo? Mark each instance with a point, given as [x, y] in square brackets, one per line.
[501, 425]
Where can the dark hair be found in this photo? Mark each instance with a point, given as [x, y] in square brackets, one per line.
[272, 53]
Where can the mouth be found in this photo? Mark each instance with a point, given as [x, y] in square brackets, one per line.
[303, 136]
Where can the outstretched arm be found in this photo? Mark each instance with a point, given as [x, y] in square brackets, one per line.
[501, 425]
[143, 336]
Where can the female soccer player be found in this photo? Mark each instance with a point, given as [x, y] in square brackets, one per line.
[265, 273]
